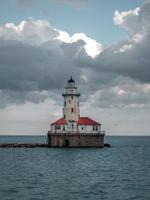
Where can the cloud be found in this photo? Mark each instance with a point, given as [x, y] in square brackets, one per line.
[33, 32]
[127, 94]
[127, 19]
[130, 57]
[136, 21]
[36, 59]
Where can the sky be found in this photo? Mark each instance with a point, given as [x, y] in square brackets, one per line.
[104, 45]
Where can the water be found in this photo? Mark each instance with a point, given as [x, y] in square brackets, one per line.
[118, 173]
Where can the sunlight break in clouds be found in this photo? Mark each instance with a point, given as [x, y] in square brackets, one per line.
[39, 31]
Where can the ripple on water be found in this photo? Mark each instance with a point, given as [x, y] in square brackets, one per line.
[120, 173]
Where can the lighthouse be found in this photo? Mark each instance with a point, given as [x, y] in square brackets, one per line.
[72, 130]
[71, 110]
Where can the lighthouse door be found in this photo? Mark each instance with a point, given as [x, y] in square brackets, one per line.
[66, 143]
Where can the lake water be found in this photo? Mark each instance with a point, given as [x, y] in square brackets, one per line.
[118, 173]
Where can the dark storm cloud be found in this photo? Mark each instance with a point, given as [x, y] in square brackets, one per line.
[25, 67]
[134, 63]
[21, 97]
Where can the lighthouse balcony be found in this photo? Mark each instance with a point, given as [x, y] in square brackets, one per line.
[102, 133]
[70, 94]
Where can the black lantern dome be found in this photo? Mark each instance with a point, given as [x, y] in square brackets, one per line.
[71, 80]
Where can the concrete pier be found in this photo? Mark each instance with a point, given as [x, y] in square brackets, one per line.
[76, 140]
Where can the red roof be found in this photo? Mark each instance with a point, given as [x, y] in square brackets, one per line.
[60, 121]
[87, 121]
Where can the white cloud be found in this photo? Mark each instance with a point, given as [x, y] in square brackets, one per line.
[92, 47]
[125, 48]
[120, 18]
[33, 32]
[63, 36]
[137, 37]
[38, 32]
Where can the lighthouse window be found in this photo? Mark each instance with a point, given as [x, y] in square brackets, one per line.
[95, 128]
[72, 97]
[65, 103]
[69, 100]
[57, 127]
[72, 110]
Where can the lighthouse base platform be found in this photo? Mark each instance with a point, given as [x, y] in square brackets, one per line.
[75, 140]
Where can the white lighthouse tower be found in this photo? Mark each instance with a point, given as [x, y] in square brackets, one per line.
[71, 110]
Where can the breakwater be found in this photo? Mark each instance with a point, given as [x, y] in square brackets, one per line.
[16, 145]
[36, 145]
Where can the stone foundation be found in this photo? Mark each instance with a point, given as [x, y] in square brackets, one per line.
[75, 140]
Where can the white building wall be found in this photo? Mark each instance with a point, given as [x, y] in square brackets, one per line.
[89, 129]
[58, 128]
